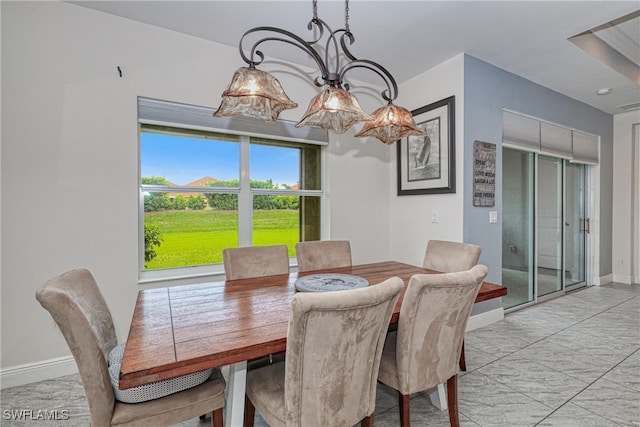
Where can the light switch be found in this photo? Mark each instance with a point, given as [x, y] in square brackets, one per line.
[493, 217]
[434, 217]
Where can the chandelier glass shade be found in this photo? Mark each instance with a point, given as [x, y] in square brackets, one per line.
[390, 123]
[334, 109]
[256, 93]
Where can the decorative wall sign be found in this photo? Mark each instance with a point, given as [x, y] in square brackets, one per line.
[427, 164]
[484, 174]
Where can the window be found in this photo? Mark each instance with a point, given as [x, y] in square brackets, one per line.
[203, 190]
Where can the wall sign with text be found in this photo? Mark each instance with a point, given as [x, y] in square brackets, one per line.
[484, 174]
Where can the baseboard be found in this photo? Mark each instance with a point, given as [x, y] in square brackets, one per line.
[603, 280]
[38, 371]
[618, 278]
[483, 319]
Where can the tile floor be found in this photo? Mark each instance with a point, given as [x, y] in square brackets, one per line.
[569, 362]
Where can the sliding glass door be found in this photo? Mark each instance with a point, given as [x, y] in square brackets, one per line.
[549, 225]
[576, 225]
[517, 226]
[544, 226]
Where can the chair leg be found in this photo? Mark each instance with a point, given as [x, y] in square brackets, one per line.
[249, 412]
[405, 411]
[367, 421]
[463, 363]
[452, 400]
[216, 419]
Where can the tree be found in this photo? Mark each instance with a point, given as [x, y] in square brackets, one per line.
[197, 203]
[152, 239]
[223, 201]
[288, 202]
[155, 180]
[156, 201]
[179, 203]
[227, 201]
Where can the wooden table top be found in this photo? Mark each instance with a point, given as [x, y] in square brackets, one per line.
[182, 329]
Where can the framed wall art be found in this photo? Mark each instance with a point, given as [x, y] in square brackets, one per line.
[427, 164]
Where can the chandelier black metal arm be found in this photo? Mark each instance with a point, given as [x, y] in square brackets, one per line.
[294, 40]
[333, 78]
[391, 93]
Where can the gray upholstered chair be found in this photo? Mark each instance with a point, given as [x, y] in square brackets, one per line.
[316, 255]
[74, 301]
[255, 261]
[448, 257]
[334, 343]
[425, 350]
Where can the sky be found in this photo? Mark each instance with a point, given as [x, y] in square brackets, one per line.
[184, 159]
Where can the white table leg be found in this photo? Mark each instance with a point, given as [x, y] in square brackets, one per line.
[234, 416]
[438, 397]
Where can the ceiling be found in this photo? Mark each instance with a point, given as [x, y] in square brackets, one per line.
[527, 38]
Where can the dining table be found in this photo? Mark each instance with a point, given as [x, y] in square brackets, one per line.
[182, 329]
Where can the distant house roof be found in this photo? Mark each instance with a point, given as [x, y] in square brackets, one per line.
[295, 187]
[202, 182]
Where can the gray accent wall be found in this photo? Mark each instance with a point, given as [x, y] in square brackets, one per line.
[487, 91]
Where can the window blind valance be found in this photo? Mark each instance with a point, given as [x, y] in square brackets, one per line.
[585, 148]
[529, 134]
[156, 112]
[555, 140]
[520, 132]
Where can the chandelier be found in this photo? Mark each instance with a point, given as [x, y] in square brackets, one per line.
[258, 94]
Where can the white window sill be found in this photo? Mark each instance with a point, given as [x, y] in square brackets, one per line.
[215, 272]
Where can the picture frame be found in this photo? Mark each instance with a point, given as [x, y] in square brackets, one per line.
[427, 164]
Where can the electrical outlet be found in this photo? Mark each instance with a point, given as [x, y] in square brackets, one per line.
[434, 217]
[493, 217]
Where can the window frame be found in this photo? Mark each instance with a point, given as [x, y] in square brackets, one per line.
[185, 117]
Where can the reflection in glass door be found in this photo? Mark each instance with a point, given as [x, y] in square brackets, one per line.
[517, 227]
[576, 225]
[549, 225]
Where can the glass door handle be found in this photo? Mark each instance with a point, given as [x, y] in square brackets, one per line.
[587, 225]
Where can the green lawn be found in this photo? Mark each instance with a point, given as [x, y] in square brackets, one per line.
[198, 237]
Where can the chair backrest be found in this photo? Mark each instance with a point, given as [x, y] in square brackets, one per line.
[255, 261]
[431, 326]
[448, 257]
[317, 255]
[334, 346]
[74, 301]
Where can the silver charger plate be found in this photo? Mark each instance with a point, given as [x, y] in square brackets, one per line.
[327, 282]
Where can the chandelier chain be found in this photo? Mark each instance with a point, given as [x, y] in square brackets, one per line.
[346, 15]
[315, 9]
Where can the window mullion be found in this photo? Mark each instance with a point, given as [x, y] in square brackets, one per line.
[245, 198]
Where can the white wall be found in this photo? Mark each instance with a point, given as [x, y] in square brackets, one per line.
[410, 221]
[625, 197]
[70, 165]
